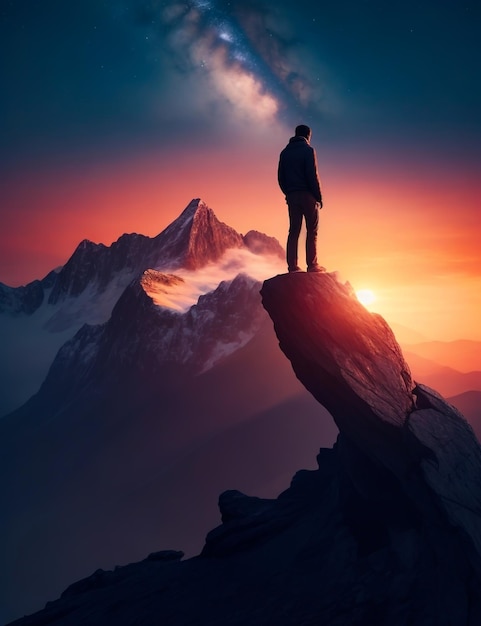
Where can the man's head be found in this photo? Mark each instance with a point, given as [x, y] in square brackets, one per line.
[303, 131]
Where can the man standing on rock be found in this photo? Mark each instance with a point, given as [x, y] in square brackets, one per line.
[299, 181]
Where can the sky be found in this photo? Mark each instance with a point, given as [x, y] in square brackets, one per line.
[114, 115]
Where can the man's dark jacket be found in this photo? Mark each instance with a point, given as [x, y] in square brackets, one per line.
[298, 168]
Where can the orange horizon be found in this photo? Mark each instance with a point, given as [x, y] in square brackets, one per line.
[415, 245]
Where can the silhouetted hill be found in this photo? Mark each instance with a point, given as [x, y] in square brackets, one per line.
[462, 355]
[406, 336]
[446, 379]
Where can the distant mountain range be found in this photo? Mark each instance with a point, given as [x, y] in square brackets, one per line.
[447, 380]
[454, 369]
[461, 355]
[469, 403]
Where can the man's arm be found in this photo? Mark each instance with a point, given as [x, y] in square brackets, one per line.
[280, 176]
[313, 177]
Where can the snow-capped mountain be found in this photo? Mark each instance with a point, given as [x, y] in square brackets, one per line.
[166, 390]
[35, 320]
[193, 240]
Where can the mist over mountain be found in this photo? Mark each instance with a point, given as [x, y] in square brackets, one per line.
[384, 532]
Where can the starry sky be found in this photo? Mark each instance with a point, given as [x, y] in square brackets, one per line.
[114, 115]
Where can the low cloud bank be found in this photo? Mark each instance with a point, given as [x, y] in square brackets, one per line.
[181, 295]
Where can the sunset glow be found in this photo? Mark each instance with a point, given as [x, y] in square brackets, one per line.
[365, 297]
[156, 349]
[198, 99]
[366, 229]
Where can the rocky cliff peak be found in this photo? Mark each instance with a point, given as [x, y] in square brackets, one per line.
[350, 361]
[347, 357]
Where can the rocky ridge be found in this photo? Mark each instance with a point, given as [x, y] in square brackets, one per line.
[385, 532]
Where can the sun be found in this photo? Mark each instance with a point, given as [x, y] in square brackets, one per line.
[365, 296]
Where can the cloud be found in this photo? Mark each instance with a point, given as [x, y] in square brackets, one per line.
[181, 295]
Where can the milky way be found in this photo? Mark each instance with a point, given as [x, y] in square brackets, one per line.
[246, 61]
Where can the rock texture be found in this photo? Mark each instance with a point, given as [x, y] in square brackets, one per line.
[384, 533]
[349, 360]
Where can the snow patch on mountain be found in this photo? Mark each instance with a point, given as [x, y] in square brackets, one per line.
[30, 342]
[223, 349]
[28, 348]
[91, 306]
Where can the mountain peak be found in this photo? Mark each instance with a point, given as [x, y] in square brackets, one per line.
[187, 215]
[197, 237]
[196, 204]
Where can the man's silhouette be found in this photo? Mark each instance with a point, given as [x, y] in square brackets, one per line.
[299, 181]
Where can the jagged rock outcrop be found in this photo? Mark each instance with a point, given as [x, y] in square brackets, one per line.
[350, 361]
[384, 533]
[345, 356]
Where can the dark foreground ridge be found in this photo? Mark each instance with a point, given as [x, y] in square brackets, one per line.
[386, 532]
